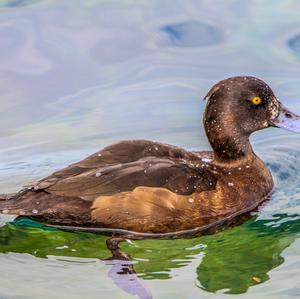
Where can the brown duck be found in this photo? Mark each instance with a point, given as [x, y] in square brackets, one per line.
[142, 188]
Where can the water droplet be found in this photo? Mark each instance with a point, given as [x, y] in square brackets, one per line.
[206, 160]
[191, 200]
[247, 166]
[34, 211]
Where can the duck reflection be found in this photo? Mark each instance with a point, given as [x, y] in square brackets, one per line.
[125, 278]
[242, 257]
[232, 260]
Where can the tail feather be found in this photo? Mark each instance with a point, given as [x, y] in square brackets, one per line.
[47, 207]
[9, 196]
[10, 202]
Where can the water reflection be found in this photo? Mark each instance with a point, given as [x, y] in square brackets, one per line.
[243, 257]
[123, 275]
[231, 261]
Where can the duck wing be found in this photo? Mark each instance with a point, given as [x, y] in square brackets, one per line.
[68, 195]
[125, 165]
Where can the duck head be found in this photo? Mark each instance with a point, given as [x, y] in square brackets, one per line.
[237, 107]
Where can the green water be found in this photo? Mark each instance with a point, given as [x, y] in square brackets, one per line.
[78, 75]
[232, 261]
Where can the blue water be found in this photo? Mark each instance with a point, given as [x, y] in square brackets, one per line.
[78, 75]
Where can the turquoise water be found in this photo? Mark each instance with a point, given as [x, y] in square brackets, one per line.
[78, 75]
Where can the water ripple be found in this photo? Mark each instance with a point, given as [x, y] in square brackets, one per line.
[192, 34]
[294, 44]
[78, 75]
[282, 157]
[17, 3]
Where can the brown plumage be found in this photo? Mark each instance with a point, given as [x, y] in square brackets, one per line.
[143, 187]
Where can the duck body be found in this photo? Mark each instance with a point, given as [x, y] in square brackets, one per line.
[147, 188]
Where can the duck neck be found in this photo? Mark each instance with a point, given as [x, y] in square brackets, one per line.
[228, 143]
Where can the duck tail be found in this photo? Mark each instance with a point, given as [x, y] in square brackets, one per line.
[9, 203]
[4, 197]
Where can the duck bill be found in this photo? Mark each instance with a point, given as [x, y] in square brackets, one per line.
[286, 120]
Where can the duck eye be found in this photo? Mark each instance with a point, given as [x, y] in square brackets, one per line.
[256, 100]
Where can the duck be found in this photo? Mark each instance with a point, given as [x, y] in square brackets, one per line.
[141, 188]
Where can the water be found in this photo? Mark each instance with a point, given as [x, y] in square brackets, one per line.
[78, 75]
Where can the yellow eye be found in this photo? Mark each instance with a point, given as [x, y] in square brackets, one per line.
[256, 101]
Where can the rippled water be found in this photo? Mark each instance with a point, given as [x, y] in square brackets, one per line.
[77, 75]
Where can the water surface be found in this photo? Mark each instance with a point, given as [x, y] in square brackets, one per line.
[78, 75]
